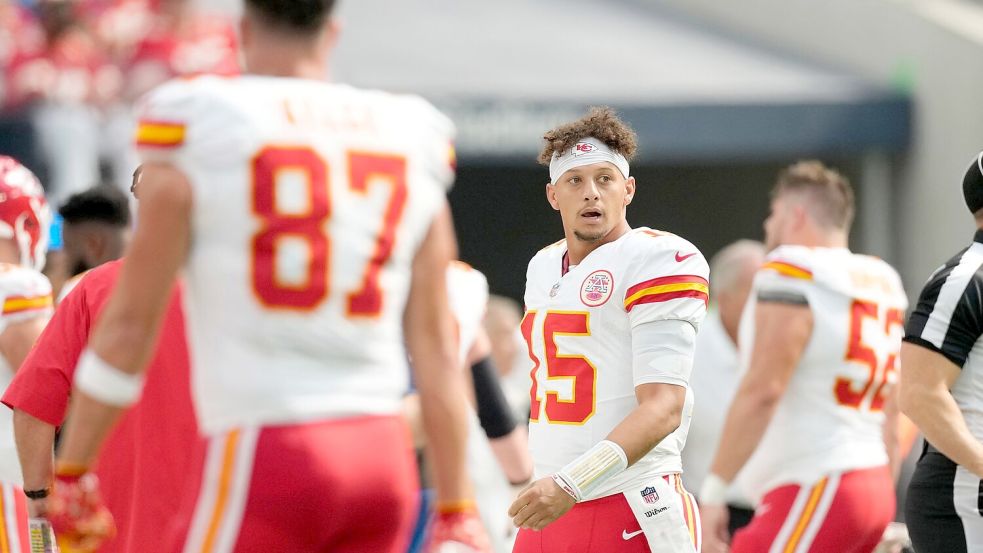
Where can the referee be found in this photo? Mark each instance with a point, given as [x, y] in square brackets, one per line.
[942, 392]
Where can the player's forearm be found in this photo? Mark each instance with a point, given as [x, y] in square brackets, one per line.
[35, 448]
[890, 433]
[648, 424]
[512, 453]
[938, 417]
[445, 415]
[125, 336]
[87, 424]
[747, 420]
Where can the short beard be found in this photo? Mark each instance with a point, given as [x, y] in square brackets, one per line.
[588, 237]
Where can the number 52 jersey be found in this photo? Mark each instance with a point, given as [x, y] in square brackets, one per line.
[310, 201]
[831, 417]
[578, 328]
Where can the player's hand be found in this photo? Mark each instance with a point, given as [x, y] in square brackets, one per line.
[459, 531]
[714, 519]
[77, 514]
[895, 539]
[539, 504]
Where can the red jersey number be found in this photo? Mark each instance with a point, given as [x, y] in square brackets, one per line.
[307, 227]
[852, 393]
[577, 369]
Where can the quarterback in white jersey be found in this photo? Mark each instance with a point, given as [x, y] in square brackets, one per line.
[312, 224]
[819, 341]
[25, 307]
[611, 318]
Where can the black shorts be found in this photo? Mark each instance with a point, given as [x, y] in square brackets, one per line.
[944, 507]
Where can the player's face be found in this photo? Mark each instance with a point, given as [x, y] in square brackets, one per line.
[591, 200]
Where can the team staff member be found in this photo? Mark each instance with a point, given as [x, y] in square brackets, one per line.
[154, 451]
[942, 392]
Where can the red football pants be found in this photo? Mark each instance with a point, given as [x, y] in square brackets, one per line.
[343, 486]
[605, 525]
[841, 513]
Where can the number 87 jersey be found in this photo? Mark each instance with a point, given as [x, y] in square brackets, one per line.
[830, 418]
[579, 327]
[309, 203]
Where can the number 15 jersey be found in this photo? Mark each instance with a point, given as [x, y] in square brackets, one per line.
[830, 418]
[578, 328]
[310, 201]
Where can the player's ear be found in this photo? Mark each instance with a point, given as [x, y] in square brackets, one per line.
[629, 190]
[329, 37]
[551, 196]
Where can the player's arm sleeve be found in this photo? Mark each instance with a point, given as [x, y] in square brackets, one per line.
[662, 352]
[666, 303]
[783, 281]
[42, 386]
[438, 142]
[950, 328]
[163, 118]
[662, 289]
[182, 122]
[494, 412]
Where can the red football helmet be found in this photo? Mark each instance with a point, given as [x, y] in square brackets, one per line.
[24, 213]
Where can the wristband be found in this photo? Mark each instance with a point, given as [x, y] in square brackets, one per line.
[585, 474]
[106, 383]
[68, 471]
[455, 507]
[37, 494]
[713, 491]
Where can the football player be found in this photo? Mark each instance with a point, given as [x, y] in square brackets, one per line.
[611, 319]
[312, 224]
[815, 412]
[26, 300]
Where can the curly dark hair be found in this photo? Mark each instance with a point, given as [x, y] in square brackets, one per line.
[602, 123]
[295, 16]
[830, 193]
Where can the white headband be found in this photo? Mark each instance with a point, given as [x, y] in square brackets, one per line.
[586, 152]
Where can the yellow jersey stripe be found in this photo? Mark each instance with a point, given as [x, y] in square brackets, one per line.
[160, 134]
[665, 289]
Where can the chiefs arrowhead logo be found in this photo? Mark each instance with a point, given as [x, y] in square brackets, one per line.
[582, 148]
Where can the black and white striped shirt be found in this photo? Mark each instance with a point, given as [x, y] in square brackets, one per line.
[949, 320]
[949, 316]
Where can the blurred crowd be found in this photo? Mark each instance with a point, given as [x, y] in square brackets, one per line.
[72, 70]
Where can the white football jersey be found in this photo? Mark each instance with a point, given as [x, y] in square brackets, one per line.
[578, 329]
[831, 416]
[467, 290]
[310, 201]
[24, 294]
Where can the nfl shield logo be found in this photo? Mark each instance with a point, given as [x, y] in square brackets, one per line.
[650, 495]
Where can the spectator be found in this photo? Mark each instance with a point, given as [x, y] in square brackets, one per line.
[65, 82]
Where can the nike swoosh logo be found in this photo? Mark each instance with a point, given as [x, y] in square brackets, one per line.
[681, 258]
[626, 536]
